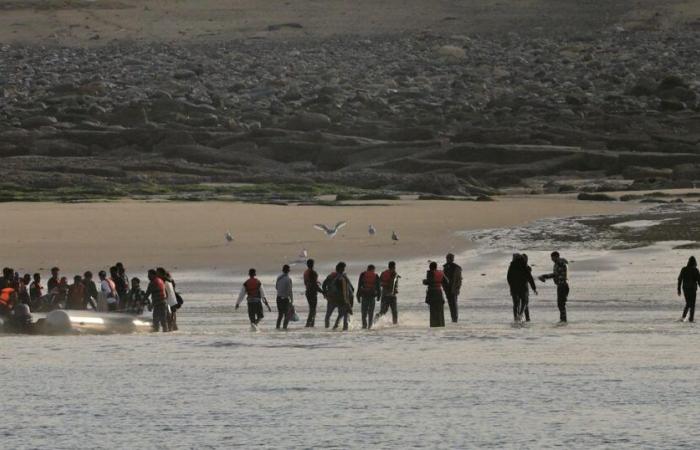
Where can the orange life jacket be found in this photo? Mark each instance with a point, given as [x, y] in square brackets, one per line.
[387, 279]
[6, 296]
[252, 287]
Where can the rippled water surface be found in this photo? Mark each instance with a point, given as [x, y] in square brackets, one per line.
[623, 373]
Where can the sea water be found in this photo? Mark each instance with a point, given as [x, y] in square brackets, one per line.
[623, 373]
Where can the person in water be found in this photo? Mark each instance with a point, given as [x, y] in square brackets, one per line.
[76, 294]
[285, 297]
[108, 292]
[54, 280]
[156, 292]
[121, 284]
[518, 279]
[688, 281]
[453, 273]
[36, 291]
[313, 288]
[91, 293]
[137, 299]
[436, 282]
[339, 291]
[368, 291]
[23, 290]
[389, 281]
[170, 297]
[561, 279]
[254, 292]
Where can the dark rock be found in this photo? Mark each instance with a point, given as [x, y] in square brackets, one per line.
[309, 121]
[595, 197]
[39, 121]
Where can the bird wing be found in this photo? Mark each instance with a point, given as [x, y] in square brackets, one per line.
[340, 225]
[322, 227]
[304, 254]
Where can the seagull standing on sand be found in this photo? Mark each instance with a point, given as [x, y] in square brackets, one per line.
[394, 236]
[371, 230]
[229, 236]
[330, 232]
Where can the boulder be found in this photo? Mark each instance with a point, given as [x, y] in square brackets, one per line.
[309, 121]
[39, 121]
[595, 197]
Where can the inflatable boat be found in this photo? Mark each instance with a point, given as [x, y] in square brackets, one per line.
[66, 321]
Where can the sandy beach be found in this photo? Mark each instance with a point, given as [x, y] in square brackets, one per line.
[190, 236]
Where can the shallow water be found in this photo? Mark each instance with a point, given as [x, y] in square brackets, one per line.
[622, 373]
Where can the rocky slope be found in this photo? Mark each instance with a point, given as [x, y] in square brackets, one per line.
[448, 115]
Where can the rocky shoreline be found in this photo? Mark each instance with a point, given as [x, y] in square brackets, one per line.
[421, 113]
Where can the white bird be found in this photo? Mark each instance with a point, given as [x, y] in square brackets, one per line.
[229, 236]
[394, 236]
[330, 232]
[371, 230]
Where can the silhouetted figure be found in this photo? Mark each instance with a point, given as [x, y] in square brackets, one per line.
[389, 280]
[519, 276]
[453, 273]
[368, 290]
[312, 290]
[76, 294]
[436, 281]
[156, 292]
[560, 276]
[688, 281]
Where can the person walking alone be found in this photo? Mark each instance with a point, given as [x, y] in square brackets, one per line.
[688, 281]
[254, 292]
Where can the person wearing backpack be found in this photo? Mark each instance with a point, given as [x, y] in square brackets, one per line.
[339, 291]
[368, 290]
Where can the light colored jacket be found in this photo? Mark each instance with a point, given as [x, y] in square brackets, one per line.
[284, 287]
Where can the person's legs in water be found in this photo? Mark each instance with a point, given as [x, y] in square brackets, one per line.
[394, 310]
[312, 299]
[367, 311]
[160, 317]
[282, 309]
[516, 305]
[255, 312]
[452, 303]
[690, 296]
[342, 314]
[384, 305]
[526, 304]
[437, 315]
[329, 312]
[562, 296]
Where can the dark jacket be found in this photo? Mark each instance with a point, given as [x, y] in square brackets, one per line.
[453, 272]
[519, 276]
[689, 279]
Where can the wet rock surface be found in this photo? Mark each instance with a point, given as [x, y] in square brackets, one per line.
[442, 115]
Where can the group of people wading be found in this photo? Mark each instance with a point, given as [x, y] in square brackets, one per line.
[113, 292]
[341, 294]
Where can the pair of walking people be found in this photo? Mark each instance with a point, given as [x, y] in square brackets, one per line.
[520, 281]
[253, 292]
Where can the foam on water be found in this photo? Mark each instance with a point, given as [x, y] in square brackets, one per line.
[622, 373]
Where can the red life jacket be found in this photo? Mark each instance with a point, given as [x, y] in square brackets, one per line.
[438, 276]
[6, 296]
[369, 282]
[252, 287]
[387, 279]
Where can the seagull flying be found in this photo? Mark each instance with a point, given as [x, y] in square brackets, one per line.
[229, 236]
[371, 230]
[394, 236]
[330, 232]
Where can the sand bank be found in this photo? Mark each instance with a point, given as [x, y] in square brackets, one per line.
[191, 235]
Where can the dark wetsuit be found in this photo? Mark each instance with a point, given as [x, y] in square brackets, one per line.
[688, 280]
[453, 272]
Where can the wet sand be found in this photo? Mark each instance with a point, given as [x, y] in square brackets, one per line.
[190, 236]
